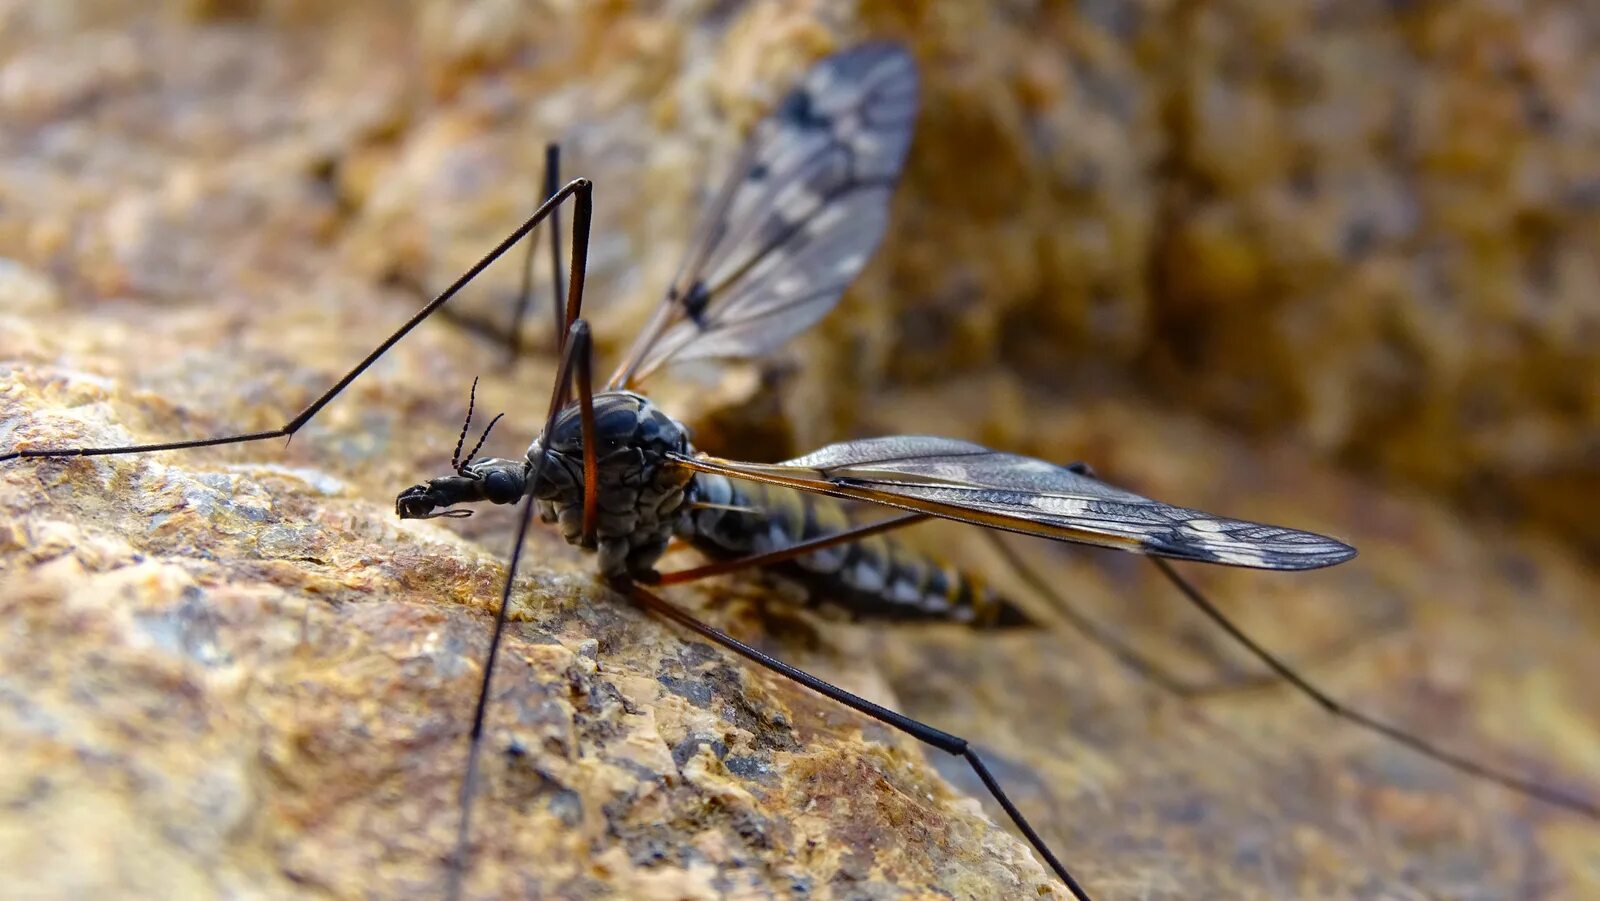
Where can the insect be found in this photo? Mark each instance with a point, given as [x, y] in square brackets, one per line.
[806, 205]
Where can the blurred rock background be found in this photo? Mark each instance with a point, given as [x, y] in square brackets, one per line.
[1329, 264]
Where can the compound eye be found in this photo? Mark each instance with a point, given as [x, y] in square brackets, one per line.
[502, 487]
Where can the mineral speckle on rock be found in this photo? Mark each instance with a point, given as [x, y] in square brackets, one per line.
[232, 672]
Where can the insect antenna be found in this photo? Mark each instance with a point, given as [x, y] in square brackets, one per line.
[1450, 759]
[455, 455]
[580, 188]
[458, 462]
[482, 438]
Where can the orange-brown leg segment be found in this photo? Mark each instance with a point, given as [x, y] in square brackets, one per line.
[591, 458]
[722, 567]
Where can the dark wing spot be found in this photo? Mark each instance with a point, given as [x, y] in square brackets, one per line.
[694, 303]
[798, 110]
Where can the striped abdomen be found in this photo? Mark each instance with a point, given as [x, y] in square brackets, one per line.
[876, 577]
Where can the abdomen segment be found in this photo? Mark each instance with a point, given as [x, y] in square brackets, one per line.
[874, 578]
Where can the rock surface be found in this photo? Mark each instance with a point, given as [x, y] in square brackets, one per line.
[233, 672]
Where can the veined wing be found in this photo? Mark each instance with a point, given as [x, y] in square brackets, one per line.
[971, 483]
[800, 216]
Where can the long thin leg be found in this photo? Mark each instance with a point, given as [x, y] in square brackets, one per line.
[754, 561]
[1091, 630]
[591, 453]
[1094, 632]
[572, 309]
[944, 741]
[1124, 653]
[582, 217]
[581, 188]
[456, 865]
[1323, 700]
[552, 180]
[579, 345]
[1139, 663]
[576, 361]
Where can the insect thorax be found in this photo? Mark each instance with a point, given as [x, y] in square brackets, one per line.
[639, 496]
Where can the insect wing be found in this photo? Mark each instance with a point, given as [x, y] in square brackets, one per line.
[971, 483]
[800, 217]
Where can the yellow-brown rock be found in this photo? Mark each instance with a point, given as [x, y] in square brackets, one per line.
[1355, 233]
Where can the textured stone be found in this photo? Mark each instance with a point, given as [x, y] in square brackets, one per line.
[233, 672]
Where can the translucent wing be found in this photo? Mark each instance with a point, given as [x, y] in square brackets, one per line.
[968, 482]
[802, 213]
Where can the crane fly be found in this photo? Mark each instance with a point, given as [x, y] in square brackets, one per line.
[805, 207]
